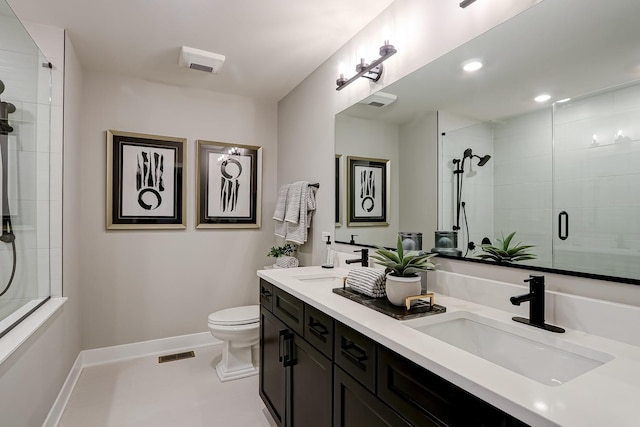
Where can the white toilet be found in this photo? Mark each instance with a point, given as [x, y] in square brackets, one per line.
[239, 328]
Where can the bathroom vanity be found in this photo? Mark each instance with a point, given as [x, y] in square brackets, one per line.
[326, 360]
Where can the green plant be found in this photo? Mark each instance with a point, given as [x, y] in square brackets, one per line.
[505, 253]
[399, 264]
[278, 251]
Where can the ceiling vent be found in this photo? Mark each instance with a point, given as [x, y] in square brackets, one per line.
[202, 60]
[379, 99]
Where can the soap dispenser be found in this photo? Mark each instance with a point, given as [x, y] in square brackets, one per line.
[328, 259]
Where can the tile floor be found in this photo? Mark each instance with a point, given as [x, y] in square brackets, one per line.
[144, 393]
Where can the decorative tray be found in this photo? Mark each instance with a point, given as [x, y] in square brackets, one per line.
[418, 309]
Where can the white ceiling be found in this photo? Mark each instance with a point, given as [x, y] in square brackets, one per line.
[270, 45]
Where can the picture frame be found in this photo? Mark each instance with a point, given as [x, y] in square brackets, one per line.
[367, 191]
[146, 181]
[229, 185]
[339, 179]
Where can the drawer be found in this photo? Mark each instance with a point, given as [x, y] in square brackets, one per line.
[356, 354]
[425, 399]
[266, 294]
[318, 330]
[289, 309]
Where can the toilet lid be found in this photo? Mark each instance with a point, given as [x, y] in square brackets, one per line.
[236, 315]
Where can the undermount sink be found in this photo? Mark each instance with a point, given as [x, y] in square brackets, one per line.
[551, 363]
[328, 278]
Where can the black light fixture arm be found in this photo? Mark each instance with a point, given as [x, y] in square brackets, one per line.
[371, 71]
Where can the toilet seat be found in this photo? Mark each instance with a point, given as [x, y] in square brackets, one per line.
[236, 316]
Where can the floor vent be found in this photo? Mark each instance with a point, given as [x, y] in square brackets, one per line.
[177, 356]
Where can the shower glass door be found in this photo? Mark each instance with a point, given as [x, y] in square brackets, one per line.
[596, 172]
[25, 98]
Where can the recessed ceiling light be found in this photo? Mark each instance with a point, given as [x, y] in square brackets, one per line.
[542, 98]
[560, 101]
[471, 66]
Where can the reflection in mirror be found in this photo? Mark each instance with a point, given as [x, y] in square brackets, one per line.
[562, 176]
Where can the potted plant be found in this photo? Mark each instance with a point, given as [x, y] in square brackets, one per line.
[506, 253]
[402, 272]
[283, 255]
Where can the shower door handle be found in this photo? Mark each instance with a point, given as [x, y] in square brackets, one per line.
[563, 216]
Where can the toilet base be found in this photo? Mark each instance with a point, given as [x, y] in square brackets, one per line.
[226, 375]
[236, 363]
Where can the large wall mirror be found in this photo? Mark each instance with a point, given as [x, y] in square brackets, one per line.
[476, 158]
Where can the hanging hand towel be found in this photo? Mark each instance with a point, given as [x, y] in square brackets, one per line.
[298, 219]
[280, 211]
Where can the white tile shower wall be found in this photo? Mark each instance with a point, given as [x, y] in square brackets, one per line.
[477, 182]
[523, 198]
[598, 182]
[27, 86]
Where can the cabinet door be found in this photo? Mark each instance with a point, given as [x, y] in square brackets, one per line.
[355, 406]
[272, 371]
[311, 380]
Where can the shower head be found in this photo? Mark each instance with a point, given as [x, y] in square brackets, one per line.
[483, 160]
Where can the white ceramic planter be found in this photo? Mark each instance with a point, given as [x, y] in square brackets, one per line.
[399, 288]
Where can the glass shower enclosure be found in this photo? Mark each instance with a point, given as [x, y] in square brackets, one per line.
[25, 106]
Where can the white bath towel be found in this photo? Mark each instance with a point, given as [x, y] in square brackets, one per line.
[368, 281]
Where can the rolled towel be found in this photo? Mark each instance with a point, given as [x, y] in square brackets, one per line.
[368, 281]
[287, 262]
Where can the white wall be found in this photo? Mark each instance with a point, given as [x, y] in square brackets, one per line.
[419, 175]
[421, 31]
[141, 285]
[31, 377]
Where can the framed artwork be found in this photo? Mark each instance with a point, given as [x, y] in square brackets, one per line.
[229, 185]
[367, 191]
[146, 186]
[338, 192]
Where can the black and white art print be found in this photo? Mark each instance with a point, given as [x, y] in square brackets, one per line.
[145, 180]
[368, 191]
[229, 180]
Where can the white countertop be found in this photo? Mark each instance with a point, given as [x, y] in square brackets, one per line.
[606, 395]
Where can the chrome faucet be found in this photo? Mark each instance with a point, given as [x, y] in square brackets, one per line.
[536, 304]
[364, 260]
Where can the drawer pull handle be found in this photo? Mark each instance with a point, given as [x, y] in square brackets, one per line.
[351, 351]
[265, 293]
[318, 328]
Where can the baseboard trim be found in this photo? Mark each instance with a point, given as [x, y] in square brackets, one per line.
[100, 356]
[116, 353]
[55, 413]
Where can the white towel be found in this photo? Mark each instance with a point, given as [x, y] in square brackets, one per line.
[368, 281]
[298, 233]
[299, 202]
[281, 203]
[279, 213]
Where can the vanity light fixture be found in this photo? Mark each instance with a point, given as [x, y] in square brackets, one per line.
[371, 71]
[542, 98]
[465, 3]
[471, 66]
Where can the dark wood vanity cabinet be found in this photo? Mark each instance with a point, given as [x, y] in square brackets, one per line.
[296, 379]
[317, 372]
